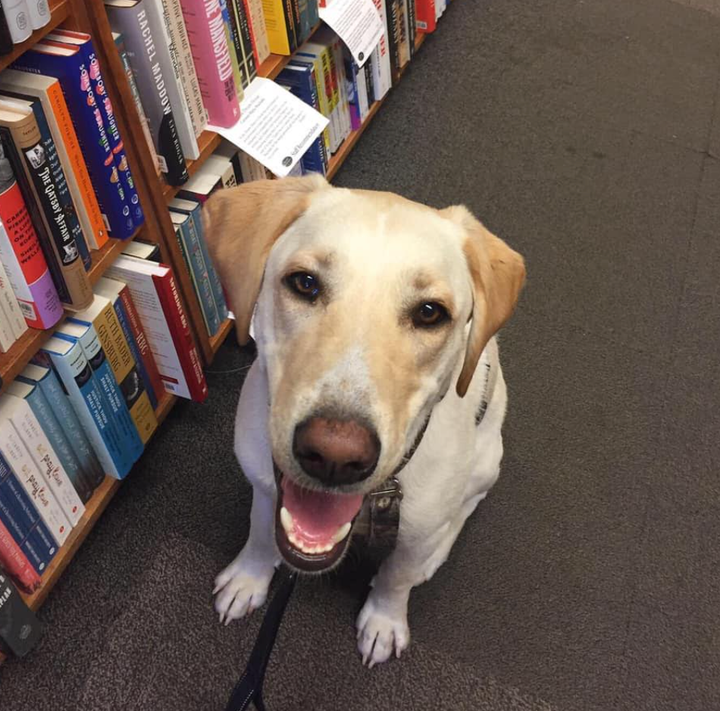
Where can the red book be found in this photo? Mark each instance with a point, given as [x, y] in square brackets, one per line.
[425, 15]
[157, 300]
[15, 563]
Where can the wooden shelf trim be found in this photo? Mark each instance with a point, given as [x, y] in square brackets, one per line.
[58, 14]
[13, 362]
[219, 338]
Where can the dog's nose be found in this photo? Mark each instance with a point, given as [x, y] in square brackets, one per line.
[335, 451]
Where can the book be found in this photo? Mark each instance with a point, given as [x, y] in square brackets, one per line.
[27, 519]
[302, 58]
[16, 455]
[280, 26]
[17, 15]
[39, 12]
[143, 250]
[16, 564]
[258, 30]
[20, 629]
[42, 374]
[157, 299]
[6, 42]
[7, 336]
[33, 395]
[245, 38]
[88, 400]
[86, 335]
[25, 540]
[232, 37]
[211, 55]
[197, 268]
[119, 295]
[339, 80]
[102, 317]
[380, 58]
[84, 42]
[196, 231]
[145, 44]
[221, 167]
[180, 44]
[22, 143]
[65, 214]
[49, 92]
[67, 65]
[120, 45]
[13, 317]
[19, 413]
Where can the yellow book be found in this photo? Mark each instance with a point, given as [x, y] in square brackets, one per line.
[277, 24]
[102, 316]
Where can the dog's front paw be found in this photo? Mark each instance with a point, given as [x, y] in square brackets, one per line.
[380, 630]
[239, 590]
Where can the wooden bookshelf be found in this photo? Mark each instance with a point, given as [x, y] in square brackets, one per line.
[59, 10]
[13, 362]
[219, 338]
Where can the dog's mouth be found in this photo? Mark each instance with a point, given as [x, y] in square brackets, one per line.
[312, 528]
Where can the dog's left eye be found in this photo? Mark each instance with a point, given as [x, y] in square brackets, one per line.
[303, 284]
[429, 314]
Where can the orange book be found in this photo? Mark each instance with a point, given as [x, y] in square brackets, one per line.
[48, 91]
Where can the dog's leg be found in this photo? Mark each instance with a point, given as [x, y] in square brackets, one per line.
[242, 587]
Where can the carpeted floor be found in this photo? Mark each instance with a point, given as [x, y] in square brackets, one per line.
[587, 134]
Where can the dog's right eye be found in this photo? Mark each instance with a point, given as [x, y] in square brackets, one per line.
[304, 285]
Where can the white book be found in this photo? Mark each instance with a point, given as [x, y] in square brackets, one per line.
[7, 337]
[27, 473]
[13, 316]
[17, 15]
[380, 58]
[39, 13]
[23, 419]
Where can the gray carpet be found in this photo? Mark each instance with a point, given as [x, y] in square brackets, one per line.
[587, 133]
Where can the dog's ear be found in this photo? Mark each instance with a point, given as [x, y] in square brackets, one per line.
[498, 275]
[241, 225]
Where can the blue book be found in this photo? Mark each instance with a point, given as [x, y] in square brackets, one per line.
[40, 407]
[86, 335]
[111, 289]
[196, 232]
[68, 65]
[88, 400]
[22, 519]
[69, 211]
[84, 42]
[298, 77]
[42, 374]
[313, 13]
[192, 254]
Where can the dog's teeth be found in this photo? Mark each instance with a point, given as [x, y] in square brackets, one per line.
[287, 520]
[342, 532]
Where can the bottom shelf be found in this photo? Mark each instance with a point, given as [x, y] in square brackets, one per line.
[219, 338]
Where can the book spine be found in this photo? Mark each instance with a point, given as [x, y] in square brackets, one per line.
[187, 239]
[120, 44]
[425, 11]
[25, 513]
[258, 30]
[188, 75]
[24, 261]
[313, 13]
[197, 235]
[122, 318]
[17, 15]
[16, 564]
[46, 460]
[39, 13]
[28, 475]
[129, 439]
[122, 364]
[59, 227]
[67, 143]
[304, 15]
[351, 82]
[6, 41]
[245, 39]
[381, 56]
[7, 337]
[116, 143]
[9, 304]
[90, 132]
[64, 198]
[232, 34]
[412, 26]
[140, 41]
[59, 442]
[59, 402]
[206, 32]
[278, 26]
[22, 537]
[140, 339]
[182, 337]
[87, 400]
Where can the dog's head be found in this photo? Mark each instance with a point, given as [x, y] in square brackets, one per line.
[368, 309]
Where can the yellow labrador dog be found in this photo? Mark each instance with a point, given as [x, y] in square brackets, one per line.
[374, 318]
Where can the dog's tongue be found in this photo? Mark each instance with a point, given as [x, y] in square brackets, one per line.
[318, 515]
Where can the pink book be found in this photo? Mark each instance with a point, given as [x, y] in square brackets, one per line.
[211, 55]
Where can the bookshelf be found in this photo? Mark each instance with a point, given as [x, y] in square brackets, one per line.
[89, 16]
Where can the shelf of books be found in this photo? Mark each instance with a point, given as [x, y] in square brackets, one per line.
[109, 303]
